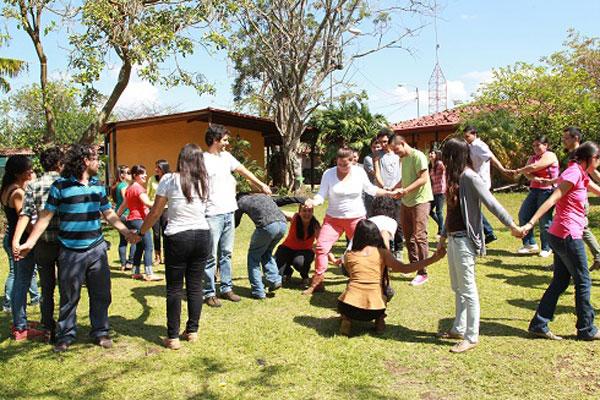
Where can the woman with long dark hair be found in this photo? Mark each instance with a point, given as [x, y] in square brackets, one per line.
[161, 167]
[367, 262]
[437, 175]
[136, 199]
[187, 239]
[541, 168]
[21, 276]
[118, 194]
[466, 191]
[296, 251]
[565, 239]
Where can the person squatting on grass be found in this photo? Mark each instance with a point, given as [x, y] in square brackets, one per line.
[118, 194]
[161, 167]
[188, 241]
[466, 240]
[138, 203]
[46, 250]
[297, 251]
[367, 263]
[541, 167]
[219, 211]
[343, 185]
[80, 201]
[18, 172]
[271, 225]
[566, 240]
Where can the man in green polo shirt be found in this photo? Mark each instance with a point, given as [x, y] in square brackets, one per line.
[415, 192]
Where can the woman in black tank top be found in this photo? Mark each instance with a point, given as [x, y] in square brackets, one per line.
[18, 172]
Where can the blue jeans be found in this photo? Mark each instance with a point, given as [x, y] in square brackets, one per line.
[34, 294]
[222, 232]
[487, 227]
[24, 273]
[123, 259]
[569, 261]
[532, 202]
[145, 246]
[437, 211]
[260, 251]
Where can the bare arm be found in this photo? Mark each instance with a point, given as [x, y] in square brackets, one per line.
[547, 160]
[146, 200]
[22, 224]
[115, 221]
[288, 215]
[498, 164]
[378, 178]
[420, 181]
[250, 177]
[155, 212]
[595, 175]
[560, 191]
[122, 207]
[398, 266]
[40, 226]
[594, 188]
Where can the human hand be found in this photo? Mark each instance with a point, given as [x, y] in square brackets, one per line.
[309, 203]
[520, 232]
[439, 253]
[398, 193]
[22, 251]
[266, 189]
[441, 244]
[132, 236]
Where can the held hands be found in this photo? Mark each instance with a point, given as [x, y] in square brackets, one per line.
[520, 231]
[20, 252]
[398, 193]
[132, 236]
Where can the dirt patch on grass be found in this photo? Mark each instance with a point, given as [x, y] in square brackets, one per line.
[584, 373]
[405, 378]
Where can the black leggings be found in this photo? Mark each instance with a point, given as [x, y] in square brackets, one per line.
[158, 230]
[300, 260]
[358, 314]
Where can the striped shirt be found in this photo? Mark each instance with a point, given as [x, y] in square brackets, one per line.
[35, 200]
[79, 207]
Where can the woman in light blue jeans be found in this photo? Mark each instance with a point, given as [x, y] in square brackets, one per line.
[464, 233]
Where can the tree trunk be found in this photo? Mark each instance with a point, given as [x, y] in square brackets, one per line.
[91, 133]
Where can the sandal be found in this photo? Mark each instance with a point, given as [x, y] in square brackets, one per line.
[152, 278]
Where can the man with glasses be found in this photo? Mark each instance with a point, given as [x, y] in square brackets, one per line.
[80, 201]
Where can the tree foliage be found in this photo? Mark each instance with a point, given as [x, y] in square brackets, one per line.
[23, 124]
[525, 100]
[9, 68]
[350, 123]
[283, 50]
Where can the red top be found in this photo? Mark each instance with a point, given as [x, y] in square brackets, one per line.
[292, 241]
[137, 209]
[550, 172]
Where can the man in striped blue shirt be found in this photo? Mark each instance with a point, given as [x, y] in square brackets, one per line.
[80, 202]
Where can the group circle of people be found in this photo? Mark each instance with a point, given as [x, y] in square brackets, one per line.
[55, 227]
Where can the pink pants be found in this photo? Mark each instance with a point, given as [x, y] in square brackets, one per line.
[331, 230]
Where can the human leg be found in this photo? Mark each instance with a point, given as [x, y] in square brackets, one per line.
[98, 285]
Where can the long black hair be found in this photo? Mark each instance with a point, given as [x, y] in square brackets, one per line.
[192, 173]
[585, 152]
[163, 165]
[121, 170]
[15, 166]
[438, 159]
[313, 227]
[367, 234]
[456, 157]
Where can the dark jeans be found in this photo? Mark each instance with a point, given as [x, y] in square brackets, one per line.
[487, 228]
[145, 246]
[24, 272]
[123, 259]
[186, 254]
[300, 260]
[158, 230]
[75, 268]
[46, 258]
[569, 261]
[437, 211]
[532, 202]
[398, 243]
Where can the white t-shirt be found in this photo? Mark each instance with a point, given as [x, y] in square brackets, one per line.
[390, 169]
[384, 223]
[345, 197]
[221, 197]
[181, 215]
[480, 156]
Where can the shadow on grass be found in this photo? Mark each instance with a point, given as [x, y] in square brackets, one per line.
[329, 327]
[489, 327]
[326, 299]
[527, 281]
[501, 263]
[532, 305]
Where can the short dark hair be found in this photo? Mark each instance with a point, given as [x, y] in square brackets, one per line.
[163, 165]
[399, 137]
[383, 205]
[215, 132]
[387, 132]
[75, 159]
[51, 158]
[366, 234]
[470, 129]
[543, 139]
[574, 132]
[345, 152]
[137, 170]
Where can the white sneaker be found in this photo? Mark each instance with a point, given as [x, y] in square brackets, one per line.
[545, 253]
[529, 249]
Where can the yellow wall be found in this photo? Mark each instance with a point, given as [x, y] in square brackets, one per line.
[147, 143]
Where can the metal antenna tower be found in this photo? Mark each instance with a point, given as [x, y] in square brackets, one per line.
[438, 88]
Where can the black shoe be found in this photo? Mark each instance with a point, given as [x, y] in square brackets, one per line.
[274, 287]
[61, 347]
[490, 238]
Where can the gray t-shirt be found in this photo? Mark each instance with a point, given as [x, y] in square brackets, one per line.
[389, 167]
[369, 167]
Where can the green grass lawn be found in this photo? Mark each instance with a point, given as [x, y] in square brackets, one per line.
[287, 347]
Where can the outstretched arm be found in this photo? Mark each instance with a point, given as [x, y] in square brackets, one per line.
[250, 177]
[399, 266]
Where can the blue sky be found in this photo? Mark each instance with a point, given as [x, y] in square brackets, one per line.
[475, 37]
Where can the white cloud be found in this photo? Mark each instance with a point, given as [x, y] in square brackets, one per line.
[479, 77]
[138, 94]
[405, 93]
[456, 91]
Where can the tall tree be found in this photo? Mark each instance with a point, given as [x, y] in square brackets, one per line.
[283, 51]
[28, 14]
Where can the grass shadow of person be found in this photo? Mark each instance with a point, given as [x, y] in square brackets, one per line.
[488, 327]
[532, 305]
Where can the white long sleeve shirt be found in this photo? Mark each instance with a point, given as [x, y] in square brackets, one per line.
[345, 196]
